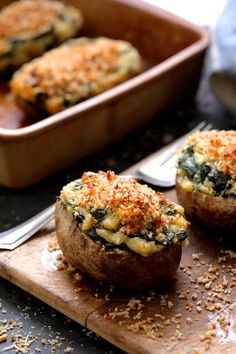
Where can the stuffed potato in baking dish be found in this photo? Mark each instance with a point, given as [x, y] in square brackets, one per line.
[79, 69]
[119, 231]
[206, 178]
[28, 28]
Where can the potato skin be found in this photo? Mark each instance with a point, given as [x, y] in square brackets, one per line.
[125, 269]
[214, 212]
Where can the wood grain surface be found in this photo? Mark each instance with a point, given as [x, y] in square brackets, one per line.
[195, 313]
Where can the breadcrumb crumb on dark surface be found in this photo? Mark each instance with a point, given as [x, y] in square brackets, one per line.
[33, 327]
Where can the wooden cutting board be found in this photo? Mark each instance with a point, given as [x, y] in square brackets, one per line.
[195, 313]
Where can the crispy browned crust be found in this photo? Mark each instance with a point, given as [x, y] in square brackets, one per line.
[125, 269]
[214, 212]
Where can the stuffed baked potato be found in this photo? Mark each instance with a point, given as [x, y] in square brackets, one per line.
[90, 66]
[28, 28]
[206, 178]
[119, 231]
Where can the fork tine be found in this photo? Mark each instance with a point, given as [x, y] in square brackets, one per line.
[200, 126]
[207, 127]
[171, 161]
[171, 148]
[167, 159]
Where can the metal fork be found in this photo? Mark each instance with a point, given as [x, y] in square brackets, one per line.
[160, 172]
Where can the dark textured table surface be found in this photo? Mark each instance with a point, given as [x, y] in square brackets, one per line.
[52, 331]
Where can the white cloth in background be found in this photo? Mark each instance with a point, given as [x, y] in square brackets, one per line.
[223, 58]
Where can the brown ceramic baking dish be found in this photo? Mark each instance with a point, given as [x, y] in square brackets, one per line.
[32, 148]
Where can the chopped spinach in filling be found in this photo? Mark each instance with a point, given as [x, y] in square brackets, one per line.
[101, 221]
[205, 174]
[108, 246]
[99, 214]
[168, 234]
[167, 210]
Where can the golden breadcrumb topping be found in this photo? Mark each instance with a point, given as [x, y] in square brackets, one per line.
[137, 207]
[217, 148]
[29, 17]
[83, 61]
[89, 66]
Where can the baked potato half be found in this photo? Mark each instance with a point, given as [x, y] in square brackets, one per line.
[206, 178]
[28, 28]
[120, 232]
[122, 268]
[90, 66]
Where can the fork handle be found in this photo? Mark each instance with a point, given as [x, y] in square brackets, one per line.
[14, 237]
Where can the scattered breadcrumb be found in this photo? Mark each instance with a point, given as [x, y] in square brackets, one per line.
[195, 256]
[14, 338]
[68, 350]
[3, 337]
[211, 290]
